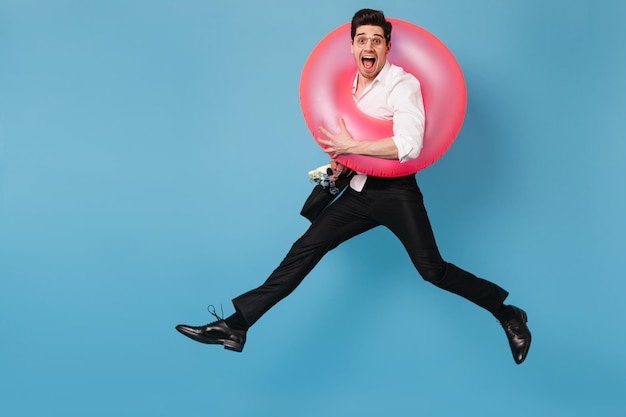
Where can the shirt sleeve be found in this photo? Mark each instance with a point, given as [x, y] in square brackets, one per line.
[408, 117]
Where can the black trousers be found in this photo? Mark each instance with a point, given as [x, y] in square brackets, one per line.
[395, 203]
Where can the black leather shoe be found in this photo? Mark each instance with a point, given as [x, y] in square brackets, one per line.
[216, 333]
[518, 334]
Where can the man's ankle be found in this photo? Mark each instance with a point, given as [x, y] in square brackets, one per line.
[237, 321]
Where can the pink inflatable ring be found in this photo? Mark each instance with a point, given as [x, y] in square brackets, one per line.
[325, 95]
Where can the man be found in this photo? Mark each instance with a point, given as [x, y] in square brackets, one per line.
[383, 91]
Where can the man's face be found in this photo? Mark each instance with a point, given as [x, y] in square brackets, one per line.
[370, 50]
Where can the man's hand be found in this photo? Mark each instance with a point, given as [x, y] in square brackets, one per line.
[340, 144]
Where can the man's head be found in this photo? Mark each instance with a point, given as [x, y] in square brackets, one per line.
[371, 41]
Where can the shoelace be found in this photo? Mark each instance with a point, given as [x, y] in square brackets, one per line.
[211, 309]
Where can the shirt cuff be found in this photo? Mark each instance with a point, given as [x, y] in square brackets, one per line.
[406, 151]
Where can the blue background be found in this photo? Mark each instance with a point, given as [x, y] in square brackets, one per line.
[153, 160]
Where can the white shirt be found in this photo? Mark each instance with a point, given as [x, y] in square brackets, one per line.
[394, 95]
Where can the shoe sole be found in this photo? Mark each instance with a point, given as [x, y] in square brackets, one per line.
[530, 338]
[228, 344]
[234, 346]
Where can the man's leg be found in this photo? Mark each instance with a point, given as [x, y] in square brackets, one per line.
[344, 219]
[403, 212]
[400, 207]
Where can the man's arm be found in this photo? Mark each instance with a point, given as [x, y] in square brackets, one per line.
[408, 128]
[342, 143]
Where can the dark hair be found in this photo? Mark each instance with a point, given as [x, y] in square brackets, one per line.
[371, 17]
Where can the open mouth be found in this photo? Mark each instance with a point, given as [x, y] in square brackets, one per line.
[368, 62]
